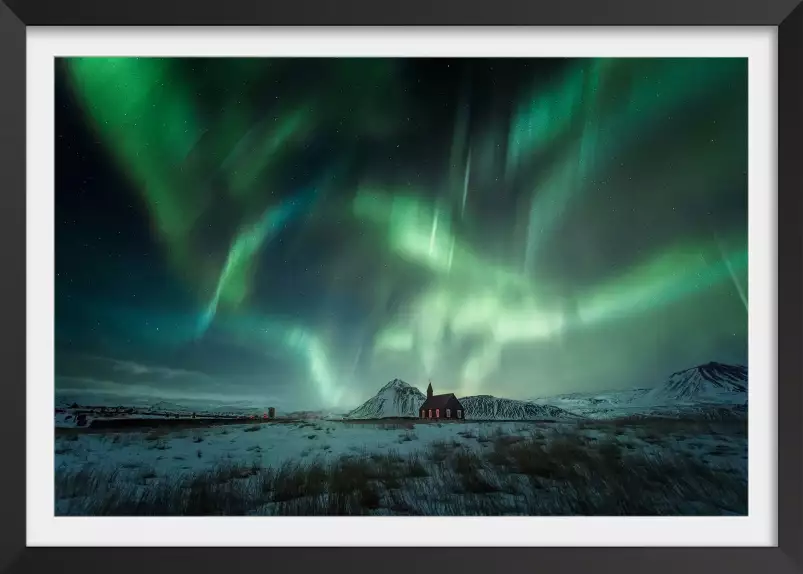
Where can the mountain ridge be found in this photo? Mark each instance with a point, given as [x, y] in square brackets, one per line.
[399, 399]
[710, 382]
[694, 390]
[489, 407]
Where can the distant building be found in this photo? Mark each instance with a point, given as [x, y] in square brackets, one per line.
[441, 406]
[271, 412]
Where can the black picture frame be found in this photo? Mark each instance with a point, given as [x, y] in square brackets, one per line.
[787, 15]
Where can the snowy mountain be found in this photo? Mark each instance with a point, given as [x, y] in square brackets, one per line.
[486, 407]
[617, 397]
[713, 390]
[709, 383]
[395, 399]
[599, 405]
[165, 406]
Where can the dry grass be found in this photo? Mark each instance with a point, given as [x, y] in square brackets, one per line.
[414, 468]
[440, 450]
[146, 472]
[549, 473]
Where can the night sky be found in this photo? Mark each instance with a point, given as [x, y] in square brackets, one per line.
[297, 232]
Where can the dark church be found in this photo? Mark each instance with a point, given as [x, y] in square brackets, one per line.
[441, 406]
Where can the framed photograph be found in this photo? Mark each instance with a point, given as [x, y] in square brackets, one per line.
[325, 282]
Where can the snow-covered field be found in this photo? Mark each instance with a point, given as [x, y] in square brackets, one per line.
[407, 467]
[679, 448]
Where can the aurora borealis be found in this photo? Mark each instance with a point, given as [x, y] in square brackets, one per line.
[297, 232]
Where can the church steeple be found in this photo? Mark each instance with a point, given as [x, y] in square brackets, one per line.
[429, 390]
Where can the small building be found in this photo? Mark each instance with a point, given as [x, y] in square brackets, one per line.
[441, 406]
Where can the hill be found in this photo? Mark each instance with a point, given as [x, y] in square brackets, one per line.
[395, 399]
